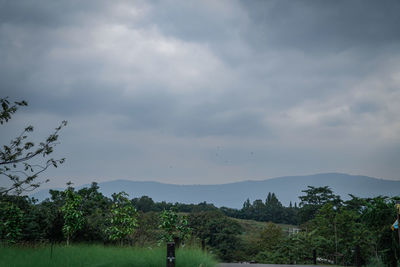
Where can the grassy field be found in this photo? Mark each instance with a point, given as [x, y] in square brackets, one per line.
[255, 226]
[252, 229]
[100, 256]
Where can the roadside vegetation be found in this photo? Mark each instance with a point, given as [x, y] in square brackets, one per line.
[332, 227]
[97, 255]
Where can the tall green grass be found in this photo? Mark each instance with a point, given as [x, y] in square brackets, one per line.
[100, 256]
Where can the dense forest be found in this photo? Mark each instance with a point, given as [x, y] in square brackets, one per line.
[334, 228]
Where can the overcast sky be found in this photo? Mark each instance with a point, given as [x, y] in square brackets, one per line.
[205, 92]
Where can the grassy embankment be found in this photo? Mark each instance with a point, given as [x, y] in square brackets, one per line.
[252, 229]
[99, 256]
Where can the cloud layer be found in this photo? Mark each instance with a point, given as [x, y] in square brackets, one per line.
[207, 91]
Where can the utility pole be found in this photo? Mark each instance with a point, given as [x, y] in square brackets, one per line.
[336, 248]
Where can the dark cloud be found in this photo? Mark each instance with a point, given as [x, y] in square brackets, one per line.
[199, 22]
[52, 14]
[324, 26]
[160, 83]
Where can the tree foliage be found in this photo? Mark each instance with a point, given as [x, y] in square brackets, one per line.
[11, 222]
[123, 218]
[95, 207]
[314, 199]
[270, 236]
[219, 233]
[20, 161]
[72, 213]
[174, 227]
[271, 210]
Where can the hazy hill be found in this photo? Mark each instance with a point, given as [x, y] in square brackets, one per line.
[234, 194]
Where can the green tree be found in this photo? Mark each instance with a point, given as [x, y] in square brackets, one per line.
[94, 206]
[325, 225]
[123, 218]
[146, 233]
[273, 246]
[270, 236]
[175, 228]
[294, 249]
[274, 208]
[199, 222]
[224, 238]
[219, 233]
[72, 213]
[378, 215]
[144, 204]
[314, 199]
[11, 222]
[337, 230]
[270, 211]
[16, 158]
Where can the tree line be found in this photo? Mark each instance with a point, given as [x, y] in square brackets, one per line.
[86, 215]
[329, 225]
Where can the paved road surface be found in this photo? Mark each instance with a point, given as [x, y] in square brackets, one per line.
[262, 265]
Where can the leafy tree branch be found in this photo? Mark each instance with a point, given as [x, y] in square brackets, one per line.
[16, 158]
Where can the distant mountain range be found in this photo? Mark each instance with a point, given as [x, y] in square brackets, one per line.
[234, 194]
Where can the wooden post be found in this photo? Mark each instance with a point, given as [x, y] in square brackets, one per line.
[314, 255]
[51, 249]
[336, 246]
[170, 254]
[358, 256]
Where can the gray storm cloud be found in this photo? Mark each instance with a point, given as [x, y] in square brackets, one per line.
[207, 91]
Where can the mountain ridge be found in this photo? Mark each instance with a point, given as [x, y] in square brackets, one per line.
[287, 189]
